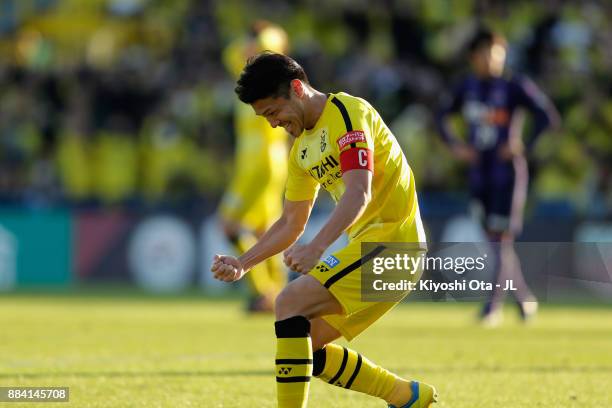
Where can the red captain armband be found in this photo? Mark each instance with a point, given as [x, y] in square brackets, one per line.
[356, 158]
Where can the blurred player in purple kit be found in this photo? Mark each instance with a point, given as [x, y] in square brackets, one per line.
[491, 104]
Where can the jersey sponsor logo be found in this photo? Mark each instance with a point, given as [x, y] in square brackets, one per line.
[474, 111]
[478, 113]
[324, 167]
[331, 179]
[304, 152]
[498, 117]
[331, 261]
[354, 136]
[357, 158]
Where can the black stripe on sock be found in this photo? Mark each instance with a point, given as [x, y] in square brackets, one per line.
[292, 379]
[353, 266]
[293, 361]
[357, 368]
[319, 357]
[342, 366]
[344, 112]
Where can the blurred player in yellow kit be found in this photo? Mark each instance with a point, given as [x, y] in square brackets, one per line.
[343, 145]
[253, 200]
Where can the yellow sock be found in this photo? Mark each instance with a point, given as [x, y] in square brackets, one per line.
[346, 368]
[293, 362]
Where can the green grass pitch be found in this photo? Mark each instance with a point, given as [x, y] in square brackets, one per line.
[147, 351]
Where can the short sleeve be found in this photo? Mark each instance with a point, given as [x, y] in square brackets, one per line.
[356, 145]
[300, 185]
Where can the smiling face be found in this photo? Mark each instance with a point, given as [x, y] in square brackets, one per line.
[281, 111]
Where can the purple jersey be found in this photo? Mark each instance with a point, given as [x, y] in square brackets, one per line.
[489, 108]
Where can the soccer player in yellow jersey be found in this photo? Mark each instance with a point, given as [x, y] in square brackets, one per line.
[253, 199]
[342, 144]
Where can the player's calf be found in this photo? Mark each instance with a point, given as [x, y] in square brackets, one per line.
[293, 362]
[348, 369]
[302, 299]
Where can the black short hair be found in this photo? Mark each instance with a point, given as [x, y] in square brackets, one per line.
[266, 75]
[484, 36]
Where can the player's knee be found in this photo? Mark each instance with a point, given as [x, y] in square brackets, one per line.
[285, 305]
[291, 302]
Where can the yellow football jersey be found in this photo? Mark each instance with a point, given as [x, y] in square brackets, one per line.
[350, 134]
[254, 196]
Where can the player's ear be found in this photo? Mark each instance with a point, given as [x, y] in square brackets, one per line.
[298, 87]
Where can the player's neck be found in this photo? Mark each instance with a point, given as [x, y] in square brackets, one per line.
[488, 75]
[314, 108]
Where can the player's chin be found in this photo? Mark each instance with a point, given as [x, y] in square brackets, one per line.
[293, 129]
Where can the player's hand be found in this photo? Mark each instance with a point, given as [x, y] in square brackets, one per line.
[465, 153]
[227, 268]
[511, 149]
[302, 258]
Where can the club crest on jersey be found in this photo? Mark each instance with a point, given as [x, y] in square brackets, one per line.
[354, 136]
[303, 156]
[331, 261]
[323, 140]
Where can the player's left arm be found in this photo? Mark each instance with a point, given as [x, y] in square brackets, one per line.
[544, 113]
[302, 258]
[357, 165]
[350, 207]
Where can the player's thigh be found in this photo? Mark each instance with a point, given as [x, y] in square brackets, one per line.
[341, 274]
[352, 326]
[305, 296]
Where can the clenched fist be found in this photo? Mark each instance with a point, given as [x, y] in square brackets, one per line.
[227, 268]
[301, 258]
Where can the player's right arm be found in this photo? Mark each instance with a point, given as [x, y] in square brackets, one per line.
[450, 105]
[282, 234]
[301, 192]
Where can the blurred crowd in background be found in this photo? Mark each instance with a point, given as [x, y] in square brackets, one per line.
[127, 102]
